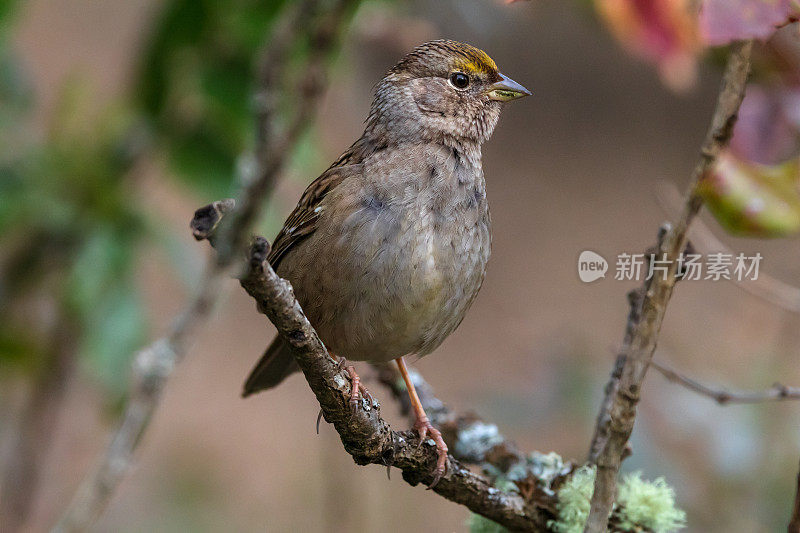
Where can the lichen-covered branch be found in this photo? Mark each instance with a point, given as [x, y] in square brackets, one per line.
[366, 436]
[648, 305]
[320, 22]
[778, 392]
[469, 438]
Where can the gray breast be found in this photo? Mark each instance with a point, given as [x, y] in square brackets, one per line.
[399, 255]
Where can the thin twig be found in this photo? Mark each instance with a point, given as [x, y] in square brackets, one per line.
[778, 392]
[794, 522]
[153, 365]
[32, 437]
[618, 413]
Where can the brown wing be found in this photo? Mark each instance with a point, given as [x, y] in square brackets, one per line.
[303, 220]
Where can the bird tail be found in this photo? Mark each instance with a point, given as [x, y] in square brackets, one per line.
[274, 366]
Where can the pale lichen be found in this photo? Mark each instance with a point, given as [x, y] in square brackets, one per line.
[648, 504]
[478, 524]
[340, 381]
[476, 440]
[546, 468]
[641, 505]
[574, 501]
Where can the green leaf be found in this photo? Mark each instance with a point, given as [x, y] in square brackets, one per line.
[195, 84]
[15, 87]
[7, 8]
[12, 189]
[102, 262]
[19, 348]
[114, 330]
[185, 259]
[754, 200]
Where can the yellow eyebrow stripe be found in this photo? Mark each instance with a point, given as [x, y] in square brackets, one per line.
[475, 60]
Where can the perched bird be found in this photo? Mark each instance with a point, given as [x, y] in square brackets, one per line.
[387, 249]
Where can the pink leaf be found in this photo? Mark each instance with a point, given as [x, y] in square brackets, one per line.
[723, 21]
[661, 31]
[768, 129]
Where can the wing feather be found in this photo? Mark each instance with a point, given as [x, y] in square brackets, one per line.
[303, 221]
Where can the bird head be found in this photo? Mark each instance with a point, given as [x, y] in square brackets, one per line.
[442, 90]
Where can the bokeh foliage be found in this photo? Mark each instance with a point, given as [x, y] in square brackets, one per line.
[195, 83]
[70, 219]
[70, 222]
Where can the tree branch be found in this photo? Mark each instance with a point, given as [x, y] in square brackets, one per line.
[648, 306]
[470, 439]
[320, 22]
[32, 437]
[794, 521]
[366, 436]
[778, 392]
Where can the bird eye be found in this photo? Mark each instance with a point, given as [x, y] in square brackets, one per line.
[459, 80]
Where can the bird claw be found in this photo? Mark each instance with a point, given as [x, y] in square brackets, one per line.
[366, 394]
[425, 428]
[357, 390]
[341, 362]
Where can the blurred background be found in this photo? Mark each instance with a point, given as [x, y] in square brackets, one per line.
[118, 119]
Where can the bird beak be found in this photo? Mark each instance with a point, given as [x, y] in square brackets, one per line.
[506, 90]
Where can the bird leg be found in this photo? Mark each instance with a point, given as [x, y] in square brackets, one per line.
[357, 390]
[423, 425]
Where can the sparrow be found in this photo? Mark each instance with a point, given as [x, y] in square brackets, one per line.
[387, 249]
